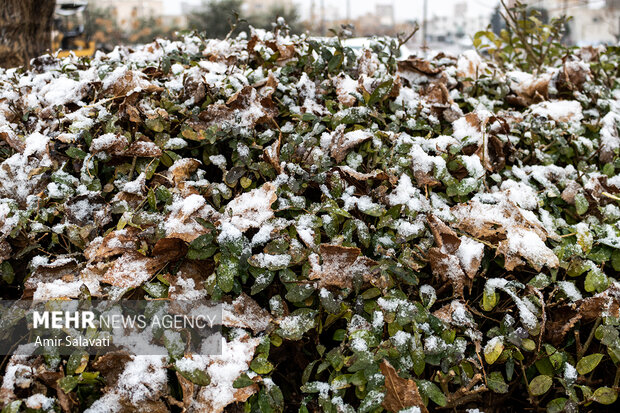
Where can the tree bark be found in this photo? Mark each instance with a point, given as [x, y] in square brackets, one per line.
[25, 30]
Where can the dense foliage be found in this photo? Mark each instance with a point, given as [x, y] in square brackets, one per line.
[389, 235]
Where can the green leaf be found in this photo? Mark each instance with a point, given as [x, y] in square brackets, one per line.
[12, 407]
[68, 383]
[493, 350]
[152, 199]
[263, 278]
[540, 385]
[202, 247]
[588, 363]
[596, 280]
[6, 270]
[155, 124]
[299, 292]
[335, 62]
[496, 382]
[226, 273]
[528, 344]
[305, 376]
[605, 395]
[174, 343]
[615, 260]
[581, 204]
[489, 299]
[242, 381]
[156, 289]
[196, 376]
[432, 391]
[557, 405]
[261, 365]
[380, 93]
[77, 362]
[75, 153]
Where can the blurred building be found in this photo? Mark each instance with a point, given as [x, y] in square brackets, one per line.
[458, 27]
[385, 14]
[254, 7]
[126, 12]
[592, 22]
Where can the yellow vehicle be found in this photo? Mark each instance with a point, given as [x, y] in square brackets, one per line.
[68, 34]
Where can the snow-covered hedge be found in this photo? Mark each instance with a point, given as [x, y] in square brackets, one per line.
[386, 235]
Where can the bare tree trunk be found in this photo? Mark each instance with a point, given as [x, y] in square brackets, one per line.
[25, 30]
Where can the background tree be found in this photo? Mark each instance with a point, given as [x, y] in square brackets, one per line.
[214, 17]
[26, 27]
[265, 20]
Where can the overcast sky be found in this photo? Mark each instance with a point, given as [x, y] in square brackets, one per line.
[404, 9]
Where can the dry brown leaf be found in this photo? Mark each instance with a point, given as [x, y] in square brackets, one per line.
[339, 266]
[442, 256]
[285, 51]
[194, 87]
[367, 63]
[252, 209]
[418, 71]
[133, 113]
[183, 169]
[572, 76]
[13, 141]
[128, 82]
[115, 243]
[343, 92]
[247, 102]
[563, 319]
[121, 147]
[244, 312]
[131, 269]
[359, 176]
[271, 154]
[5, 250]
[399, 393]
[454, 259]
[343, 142]
[529, 90]
[111, 365]
[235, 359]
[519, 239]
[51, 380]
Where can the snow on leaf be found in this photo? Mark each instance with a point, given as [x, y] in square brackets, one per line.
[246, 313]
[520, 239]
[224, 369]
[454, 260]
[251, 209]
[337, 266]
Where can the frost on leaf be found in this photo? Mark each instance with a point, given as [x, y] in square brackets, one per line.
[246, 108]
[342, 142]
[399, 393]
[132, 268]
[124, 81]
[520, 239]
[251, 209]
[224, 370]
[454, 260]
[182, 169]
[337, 266]
[527, 88]
[563, 319]
[181, 220]
[246, 313]
[119, 145]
